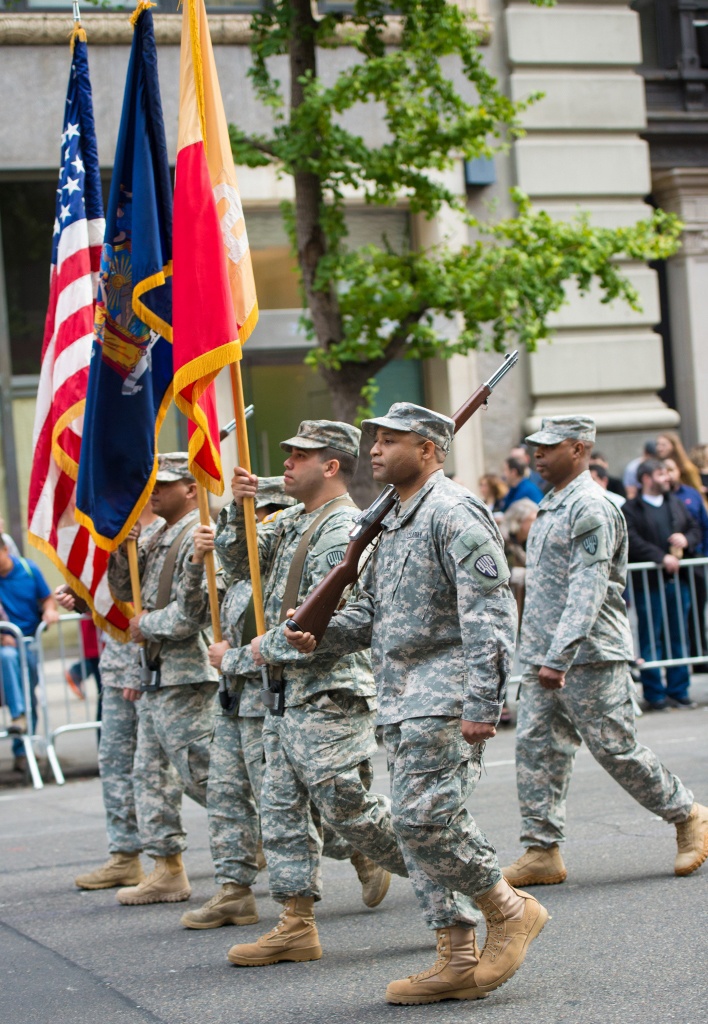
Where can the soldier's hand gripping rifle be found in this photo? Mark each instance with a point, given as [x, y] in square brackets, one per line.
[314, 613]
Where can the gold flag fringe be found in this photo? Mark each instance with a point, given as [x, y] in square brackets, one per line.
[143, 5]
[77, 34]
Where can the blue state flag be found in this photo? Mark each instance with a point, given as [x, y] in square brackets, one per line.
[130, 379]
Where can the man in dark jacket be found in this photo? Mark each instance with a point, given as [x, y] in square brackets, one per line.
[661, 530]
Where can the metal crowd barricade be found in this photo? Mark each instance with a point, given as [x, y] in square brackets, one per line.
[51, 734]
[647, 578]
[29, 738]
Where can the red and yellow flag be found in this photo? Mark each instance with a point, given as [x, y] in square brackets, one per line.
[214, 293]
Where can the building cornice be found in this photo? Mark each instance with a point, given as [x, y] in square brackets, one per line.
[114, 29]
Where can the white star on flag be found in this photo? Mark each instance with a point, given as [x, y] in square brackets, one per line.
[78, 165]
[72, 130]
[57, 228]
[65, 212]
[72, 185]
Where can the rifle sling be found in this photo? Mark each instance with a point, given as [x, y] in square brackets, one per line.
[164, 589]
[292, 584]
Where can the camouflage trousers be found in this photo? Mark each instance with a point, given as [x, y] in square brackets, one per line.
[233, 797]
[116, 750]
[174, 730]
[449, 859]
[594, 706]
[319, 753]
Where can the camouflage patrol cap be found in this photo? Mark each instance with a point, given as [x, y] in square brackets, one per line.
[173, 466]
[406, 417]
[270, 492]
[313, 434]
[555, 429]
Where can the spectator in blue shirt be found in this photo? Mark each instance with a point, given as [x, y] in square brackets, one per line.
[519, 484]
[26, 601]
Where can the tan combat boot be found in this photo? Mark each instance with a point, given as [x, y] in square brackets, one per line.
[450, 977]
[166, 883]
[692, 840]
[293, 938]
[374, 879]
[233, 904]
[119, 869]
[540, 865]
[514, 919]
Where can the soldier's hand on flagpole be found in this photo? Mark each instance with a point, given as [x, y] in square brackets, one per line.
[136, 634]
[243, 485]
[216, 653]
[133, 535]
[64, 596]
[256, 651]
[203, 542]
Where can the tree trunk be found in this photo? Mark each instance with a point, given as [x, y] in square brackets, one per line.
[345, 388]
[311, 241]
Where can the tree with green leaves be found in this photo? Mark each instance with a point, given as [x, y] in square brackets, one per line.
[365, 306]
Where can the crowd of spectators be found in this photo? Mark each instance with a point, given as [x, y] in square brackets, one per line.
[663, 493]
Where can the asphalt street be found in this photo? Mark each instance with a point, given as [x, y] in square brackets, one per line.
[628, 941]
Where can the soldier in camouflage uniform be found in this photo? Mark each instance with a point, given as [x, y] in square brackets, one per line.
[575, 644]
[441, 620]
[236, 756]
[120, 672]
[176, 720]
[320, 749]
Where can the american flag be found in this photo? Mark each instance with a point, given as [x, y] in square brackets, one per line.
[66, 351]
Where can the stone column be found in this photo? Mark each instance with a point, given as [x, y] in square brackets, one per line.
[685, 191]
[582, 151]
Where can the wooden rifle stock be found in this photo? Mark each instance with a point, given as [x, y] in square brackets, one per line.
[317, 609]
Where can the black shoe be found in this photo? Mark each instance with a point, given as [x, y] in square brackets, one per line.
[682, 702]
[662, 705]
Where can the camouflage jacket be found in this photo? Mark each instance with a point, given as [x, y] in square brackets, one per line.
[436, 607]
[119, 661]
[278, 538]
[184, 643]
[119, 665]
[193, 602]
[576, 572]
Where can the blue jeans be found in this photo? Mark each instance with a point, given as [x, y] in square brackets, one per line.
[13, 694]
[678, 677]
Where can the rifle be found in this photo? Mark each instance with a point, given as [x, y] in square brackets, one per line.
[314, 613]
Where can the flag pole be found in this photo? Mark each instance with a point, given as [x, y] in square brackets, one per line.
[205, 520]
[249, 508]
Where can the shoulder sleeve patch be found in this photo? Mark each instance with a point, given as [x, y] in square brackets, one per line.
[482, 556]
[590, 531]
[334, 558]
[469, 541]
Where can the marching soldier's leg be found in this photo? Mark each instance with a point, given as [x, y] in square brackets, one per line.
[115, 763]
[293, 849]
[184, 721]
[330, 740]
[234, 826]
[599, 699]
[546, 743]
[434, 772]
[158, 800]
